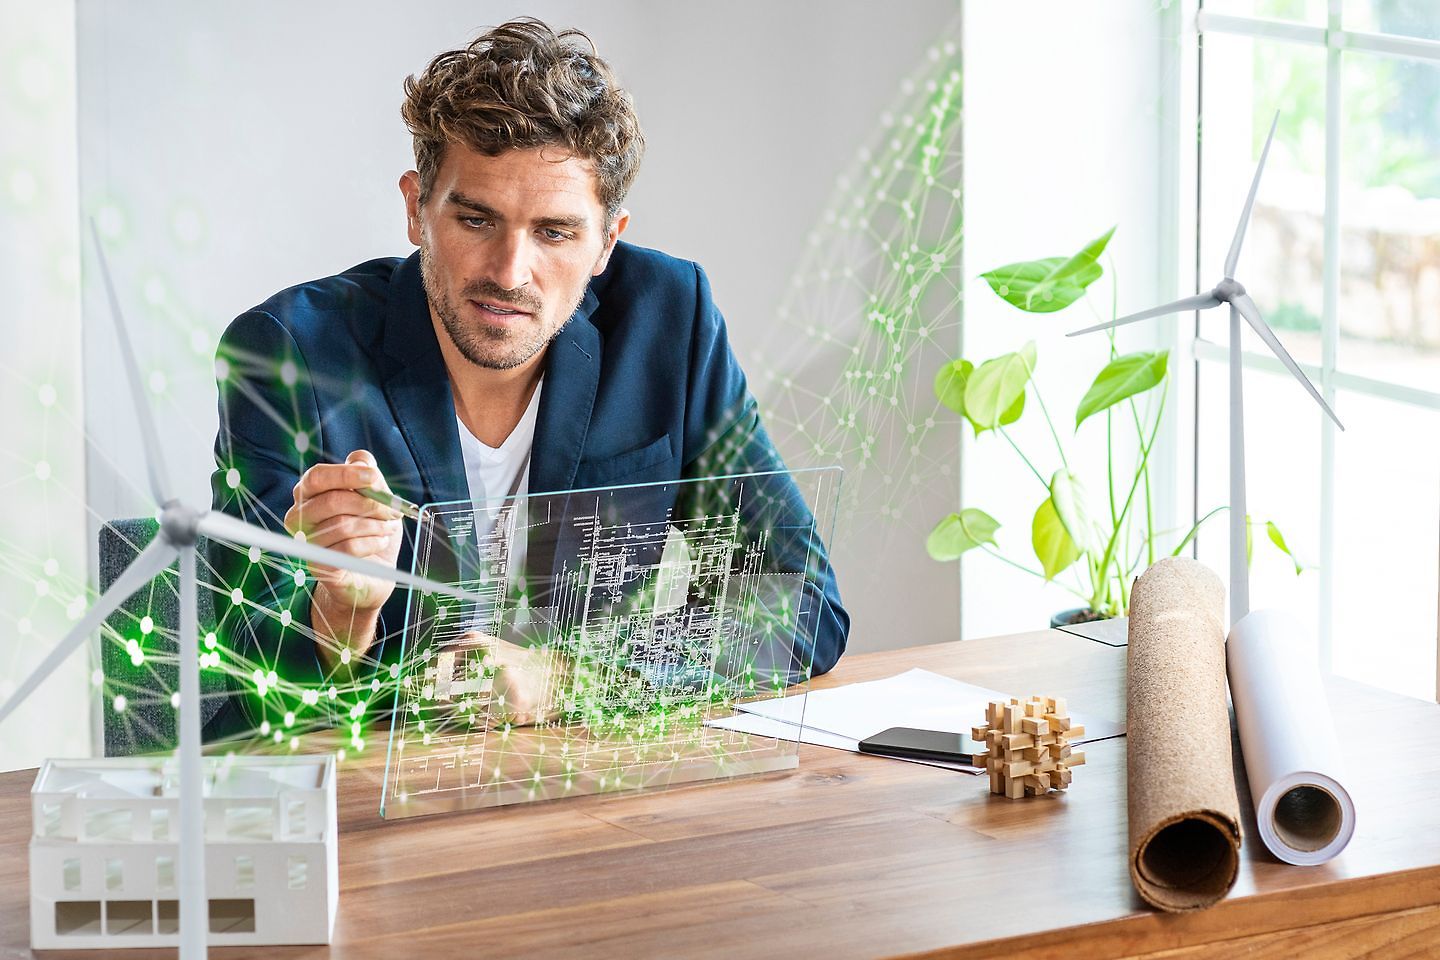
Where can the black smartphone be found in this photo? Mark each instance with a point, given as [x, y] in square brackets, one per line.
[921, 744]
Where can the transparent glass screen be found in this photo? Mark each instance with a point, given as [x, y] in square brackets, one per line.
[607, 632]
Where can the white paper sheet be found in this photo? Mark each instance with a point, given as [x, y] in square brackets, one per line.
[916, 698]
[780, 730]
[1288, 740]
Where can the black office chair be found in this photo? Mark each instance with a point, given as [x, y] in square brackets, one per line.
[147, 680]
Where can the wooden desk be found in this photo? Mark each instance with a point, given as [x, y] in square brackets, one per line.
[856, 856]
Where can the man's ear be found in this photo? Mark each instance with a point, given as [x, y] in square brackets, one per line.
[410, 188]
[622, 220]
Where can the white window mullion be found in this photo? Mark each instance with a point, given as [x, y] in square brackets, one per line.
[1330, 343]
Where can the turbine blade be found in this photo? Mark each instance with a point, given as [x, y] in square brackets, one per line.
[222, 526]
[1202, 301]
[1233, 257]
[149, 436]
[142, 570]
[1251, 313]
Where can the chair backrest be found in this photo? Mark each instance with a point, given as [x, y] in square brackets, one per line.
[146, 673]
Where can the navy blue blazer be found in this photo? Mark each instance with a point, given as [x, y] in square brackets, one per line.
[640, 386]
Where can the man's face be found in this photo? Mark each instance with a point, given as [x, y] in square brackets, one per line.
[508, 245]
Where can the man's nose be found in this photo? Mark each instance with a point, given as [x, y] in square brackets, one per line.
[510, 260]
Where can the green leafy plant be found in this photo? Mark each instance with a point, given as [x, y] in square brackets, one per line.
[1109, 547]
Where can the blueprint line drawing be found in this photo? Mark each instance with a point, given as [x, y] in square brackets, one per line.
[645, 611]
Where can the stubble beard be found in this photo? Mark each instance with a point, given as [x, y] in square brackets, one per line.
[494, 348]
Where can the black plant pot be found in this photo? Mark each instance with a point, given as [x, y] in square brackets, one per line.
[1068, 618]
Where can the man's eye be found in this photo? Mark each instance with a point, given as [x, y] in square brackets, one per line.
[555, 236]
[476, 222]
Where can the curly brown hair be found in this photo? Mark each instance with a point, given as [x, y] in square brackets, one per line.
[521, 86]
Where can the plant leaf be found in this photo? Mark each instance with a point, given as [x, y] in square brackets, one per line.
[995, 391]
[1044, 286]
[1122, 378]
[1278, 538]
[1068, 496]
[950, 384]
[1052, 543]
[961, 532]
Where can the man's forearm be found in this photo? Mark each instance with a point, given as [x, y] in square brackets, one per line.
[340, 626]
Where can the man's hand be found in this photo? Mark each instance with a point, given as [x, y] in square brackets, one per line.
[529, 682]
[330, 513]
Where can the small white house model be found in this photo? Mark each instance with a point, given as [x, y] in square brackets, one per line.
[104, 852]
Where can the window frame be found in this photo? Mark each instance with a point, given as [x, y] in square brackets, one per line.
[1338, 43]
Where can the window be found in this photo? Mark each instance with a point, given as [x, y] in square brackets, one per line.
[114, 875]
[130, 917]
[160, 824]
[70, 872]
[232, 916]
[1343, 259]
[244, 872]
[295, 817]
[296, 869]
[77, 918]
[107, 824]
[164, 873]
[249, 823]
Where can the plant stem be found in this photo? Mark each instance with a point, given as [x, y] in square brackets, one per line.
[991, 551]
[1041, 400]
[1130, 497]
[1038, 476]
[1196, 529]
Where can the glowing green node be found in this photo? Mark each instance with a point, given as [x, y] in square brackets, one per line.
[42, 470]
[299, 576]
[289, 373]
[236, 597]
[97, 677]
[253, 554]
[175, 700]
[264, 728]
[344, 655]
[46, 395]
[222, 369]
[332, 693]
[302, 441]
[285, 618]
[118, 704]
[42, 588]
[279, 736]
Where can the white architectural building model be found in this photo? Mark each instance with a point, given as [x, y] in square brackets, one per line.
[104, 852]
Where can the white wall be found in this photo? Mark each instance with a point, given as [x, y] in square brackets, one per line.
[42, 514]
[1070, 114]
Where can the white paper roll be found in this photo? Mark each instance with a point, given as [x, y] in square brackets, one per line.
[1287, 736]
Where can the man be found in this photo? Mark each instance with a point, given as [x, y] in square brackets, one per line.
[524, 348]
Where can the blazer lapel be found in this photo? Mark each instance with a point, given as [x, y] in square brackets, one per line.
[572, 374]
[418, 388]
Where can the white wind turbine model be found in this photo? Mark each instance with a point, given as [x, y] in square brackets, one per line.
[180, 528]
[1230, 291]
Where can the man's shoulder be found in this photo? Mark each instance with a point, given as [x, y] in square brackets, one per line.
[354, 299]
[364, 286]
[633, 267]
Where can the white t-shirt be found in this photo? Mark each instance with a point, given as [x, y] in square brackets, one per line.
[503, 471]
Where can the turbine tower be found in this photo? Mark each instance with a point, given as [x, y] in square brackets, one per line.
[180, 528]
[1231, 291]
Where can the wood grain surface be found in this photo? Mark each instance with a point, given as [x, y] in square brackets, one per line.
[859, 856]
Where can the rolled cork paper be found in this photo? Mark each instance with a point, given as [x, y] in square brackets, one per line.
[1183, 809]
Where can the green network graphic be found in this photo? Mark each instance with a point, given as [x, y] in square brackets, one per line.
[877, 297]
[874, 309]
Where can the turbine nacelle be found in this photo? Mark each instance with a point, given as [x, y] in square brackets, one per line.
[179, 524]
[1228, 290]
